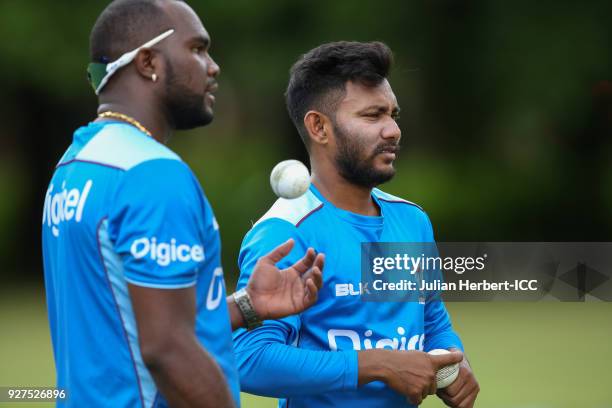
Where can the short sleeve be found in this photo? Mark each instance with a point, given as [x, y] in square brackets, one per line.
[156, 223]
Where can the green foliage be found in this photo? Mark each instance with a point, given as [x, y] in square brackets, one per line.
[505, 107]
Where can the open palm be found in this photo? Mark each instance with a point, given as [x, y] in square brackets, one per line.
[278, 293]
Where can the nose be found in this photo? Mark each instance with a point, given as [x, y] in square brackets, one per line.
[391, 130]
[213, 68]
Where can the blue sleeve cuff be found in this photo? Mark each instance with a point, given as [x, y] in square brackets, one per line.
[446, 341]
[351, 371]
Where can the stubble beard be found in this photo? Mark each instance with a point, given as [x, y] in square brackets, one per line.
[184, 108]
[355, 165]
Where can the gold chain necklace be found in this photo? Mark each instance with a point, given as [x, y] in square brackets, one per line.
[126, 118]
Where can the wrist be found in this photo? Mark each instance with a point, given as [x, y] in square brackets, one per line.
[372, 366]
[243, 301]
[258, 307]
[235, 314]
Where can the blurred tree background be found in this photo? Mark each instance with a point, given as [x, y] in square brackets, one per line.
[506, 111]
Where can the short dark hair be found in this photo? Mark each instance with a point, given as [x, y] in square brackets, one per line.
[318, 79]
[125, 25]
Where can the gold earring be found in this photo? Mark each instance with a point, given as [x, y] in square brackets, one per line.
[154, 77]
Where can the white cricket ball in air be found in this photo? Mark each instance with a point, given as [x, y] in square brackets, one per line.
[290, 179]
[446, 375]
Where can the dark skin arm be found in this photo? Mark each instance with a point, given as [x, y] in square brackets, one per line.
[463, 391]
[278, 293]
[183, 371]
[411, 373]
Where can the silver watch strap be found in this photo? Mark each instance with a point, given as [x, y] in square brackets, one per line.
[243, 301]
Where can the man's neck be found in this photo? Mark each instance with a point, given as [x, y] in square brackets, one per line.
[344, 194]
[149, 118]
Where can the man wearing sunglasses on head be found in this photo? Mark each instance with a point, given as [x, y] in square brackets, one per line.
[135, 292]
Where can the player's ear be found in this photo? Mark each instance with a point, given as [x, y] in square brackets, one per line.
[318, 126]
[148, 64]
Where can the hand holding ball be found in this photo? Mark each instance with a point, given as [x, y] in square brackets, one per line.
[445, 375]
[290, 179]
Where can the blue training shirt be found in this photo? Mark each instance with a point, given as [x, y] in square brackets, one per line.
[121, 208]
[310, 359]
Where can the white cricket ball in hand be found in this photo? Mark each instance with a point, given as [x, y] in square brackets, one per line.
[290, 179]
[446, 375]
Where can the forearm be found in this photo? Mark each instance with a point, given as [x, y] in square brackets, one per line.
[280, 370]
[188, 376]
[371, 366]
[439, 332]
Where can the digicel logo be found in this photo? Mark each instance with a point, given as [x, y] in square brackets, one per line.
[65, 205]
[163, 252]
[370, 341]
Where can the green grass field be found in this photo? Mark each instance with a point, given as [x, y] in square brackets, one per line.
[525, 355]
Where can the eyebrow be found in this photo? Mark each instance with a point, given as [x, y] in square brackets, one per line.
[200, 39]
[380, 108]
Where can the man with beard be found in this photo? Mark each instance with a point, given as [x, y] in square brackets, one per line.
[344, 352]
[135, 291]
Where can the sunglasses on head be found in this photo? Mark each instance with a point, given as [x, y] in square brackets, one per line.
[99, 73]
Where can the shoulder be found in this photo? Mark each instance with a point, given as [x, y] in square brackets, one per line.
[389, 198]
[152, 175]
[281, 222]
[294, 211]
[124, 147]
[408, 211]
[404, 208]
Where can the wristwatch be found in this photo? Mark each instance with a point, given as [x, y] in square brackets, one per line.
[243, 301]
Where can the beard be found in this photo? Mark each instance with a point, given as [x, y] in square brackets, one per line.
[357, 166]
[184, 108]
